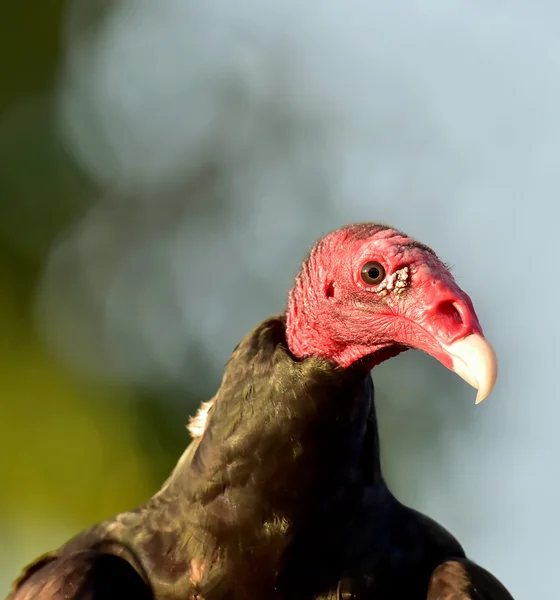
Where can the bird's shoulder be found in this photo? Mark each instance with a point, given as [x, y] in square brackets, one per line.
[88, 573]
[432, 534]
[463, 579]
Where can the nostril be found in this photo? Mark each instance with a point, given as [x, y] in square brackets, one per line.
[450, 311]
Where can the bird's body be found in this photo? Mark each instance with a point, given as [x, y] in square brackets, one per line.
[281, 497]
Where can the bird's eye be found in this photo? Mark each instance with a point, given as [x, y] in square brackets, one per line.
[373, 273]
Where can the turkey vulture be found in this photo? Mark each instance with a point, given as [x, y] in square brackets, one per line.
[280, 495]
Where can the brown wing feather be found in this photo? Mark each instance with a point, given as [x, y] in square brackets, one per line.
[84, 575]
[462, 579]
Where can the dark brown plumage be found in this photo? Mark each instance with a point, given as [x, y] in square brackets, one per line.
[281, 497]
[85, 575]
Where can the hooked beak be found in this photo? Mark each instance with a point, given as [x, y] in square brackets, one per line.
[448, 329]
[475, 361]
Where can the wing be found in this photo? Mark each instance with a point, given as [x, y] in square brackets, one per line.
[462, 579]
[84, 575]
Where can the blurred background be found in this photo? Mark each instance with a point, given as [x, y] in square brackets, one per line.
[164, 168]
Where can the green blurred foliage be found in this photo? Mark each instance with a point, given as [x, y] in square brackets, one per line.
[29, 48]
[73, 452]
[62, 438]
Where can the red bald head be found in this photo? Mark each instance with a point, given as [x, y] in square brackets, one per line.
[369, 292]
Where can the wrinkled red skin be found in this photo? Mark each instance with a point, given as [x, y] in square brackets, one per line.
[332, 313]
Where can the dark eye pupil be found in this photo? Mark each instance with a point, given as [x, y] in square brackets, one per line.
[373, 273]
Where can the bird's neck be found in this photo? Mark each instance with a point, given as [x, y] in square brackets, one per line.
[289, 445]
[282, 428]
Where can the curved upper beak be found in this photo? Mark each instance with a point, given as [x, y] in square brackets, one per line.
[475, 361]
[441, 321]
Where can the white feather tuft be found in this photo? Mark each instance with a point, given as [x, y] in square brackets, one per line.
[197, 424]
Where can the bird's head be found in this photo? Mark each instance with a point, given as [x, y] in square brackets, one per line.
[368, 292]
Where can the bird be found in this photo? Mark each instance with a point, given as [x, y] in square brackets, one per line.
[280, 494]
